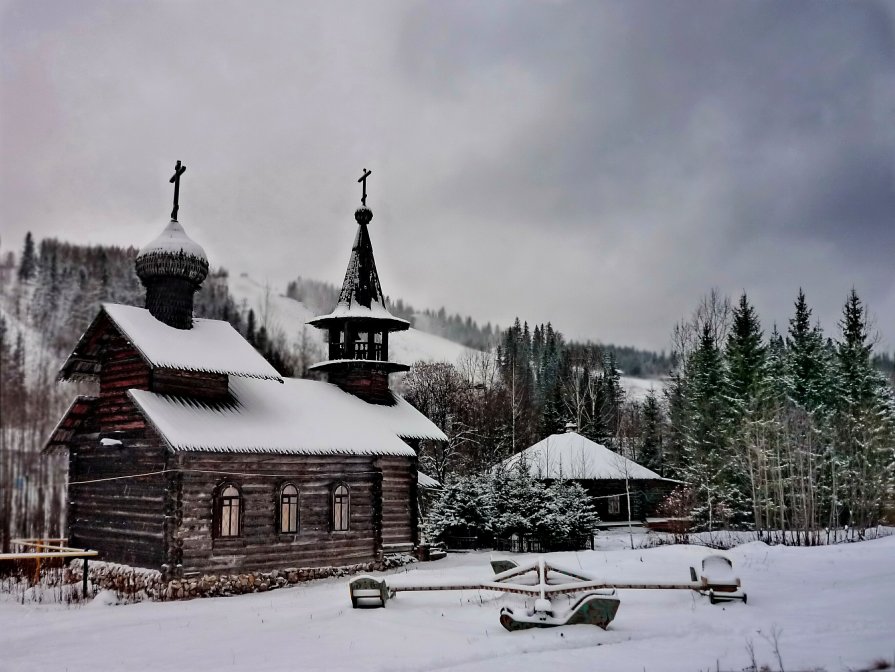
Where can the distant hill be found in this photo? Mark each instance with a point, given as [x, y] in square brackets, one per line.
[287, 318]
[320, 297]
[57, 296]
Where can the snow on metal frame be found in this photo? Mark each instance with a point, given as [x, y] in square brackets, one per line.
[298, 417]
[573, 456]
[211, 346]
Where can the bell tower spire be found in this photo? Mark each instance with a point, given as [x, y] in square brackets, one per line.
[359, 326]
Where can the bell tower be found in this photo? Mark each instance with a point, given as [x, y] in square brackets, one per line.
[358, 328]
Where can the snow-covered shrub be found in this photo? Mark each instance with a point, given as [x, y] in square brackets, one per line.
[512, 502]
[570, 512]
[462, 509]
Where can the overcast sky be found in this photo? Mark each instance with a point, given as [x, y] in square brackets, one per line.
[601, 165]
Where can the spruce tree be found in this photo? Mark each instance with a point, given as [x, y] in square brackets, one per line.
[707, 465]
[807, 379]
[650, 451]
[746, 358]
[863, 421]
[250, 327]
[28, 263]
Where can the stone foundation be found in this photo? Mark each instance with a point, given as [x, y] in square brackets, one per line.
[134, 584]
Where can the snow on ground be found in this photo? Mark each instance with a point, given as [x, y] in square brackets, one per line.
[638, 388]
[291, 316]
[831, 607]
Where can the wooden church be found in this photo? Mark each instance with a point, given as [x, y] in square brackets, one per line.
[196, 456]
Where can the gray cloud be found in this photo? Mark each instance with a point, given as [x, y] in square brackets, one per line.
[600, 165]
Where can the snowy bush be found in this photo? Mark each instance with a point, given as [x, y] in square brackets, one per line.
[462, 509]
[512, 502]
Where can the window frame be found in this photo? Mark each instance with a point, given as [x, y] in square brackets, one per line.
[224, 501]
[614, 504]
[295, 507]
[341, 503]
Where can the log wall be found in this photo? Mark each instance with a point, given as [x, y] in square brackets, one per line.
[122, 518]
[122, 368]
[399, 507]
[375, 517]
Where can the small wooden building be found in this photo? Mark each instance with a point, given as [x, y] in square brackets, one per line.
[602, 472]
[196, 456]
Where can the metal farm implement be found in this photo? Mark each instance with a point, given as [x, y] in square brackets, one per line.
[543, 580]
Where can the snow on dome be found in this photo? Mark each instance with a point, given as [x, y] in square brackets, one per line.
[299, 417]
[173, 240]
[576, 457]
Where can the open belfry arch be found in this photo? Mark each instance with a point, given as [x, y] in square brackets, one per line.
[196, 456]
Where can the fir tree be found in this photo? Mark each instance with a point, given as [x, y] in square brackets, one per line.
[746, 358]
[807, 379]
[28, 263]
[250, 327]
[462, 509]
[650, 449]
[745, 355]
[863, 421]
[707, 465]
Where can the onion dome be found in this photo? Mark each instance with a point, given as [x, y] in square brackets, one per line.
[172, 268]
[175, 254]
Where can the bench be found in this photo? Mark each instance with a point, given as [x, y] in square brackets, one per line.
[373, 592]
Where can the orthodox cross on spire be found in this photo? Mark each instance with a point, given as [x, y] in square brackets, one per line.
[363, 180]
[175, 180]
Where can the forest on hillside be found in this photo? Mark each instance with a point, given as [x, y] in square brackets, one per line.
[322, 296]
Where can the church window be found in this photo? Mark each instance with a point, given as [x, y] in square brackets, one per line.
[228, 511]
[341, 504]
[289, 509]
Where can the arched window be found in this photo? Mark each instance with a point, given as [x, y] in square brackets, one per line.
[341, 503]
[228, 510]
[289, 509]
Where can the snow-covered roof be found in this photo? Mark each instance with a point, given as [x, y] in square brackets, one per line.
[573, 456]
[211, 346]
[391, 367]
[425, 481]
[405, 421]
[173, 240]
[300, 416]
[356, 311]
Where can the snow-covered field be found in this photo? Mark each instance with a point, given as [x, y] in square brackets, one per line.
[829, 607]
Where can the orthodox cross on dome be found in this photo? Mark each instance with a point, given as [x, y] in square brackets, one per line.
[175, 180]
[363, 180]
